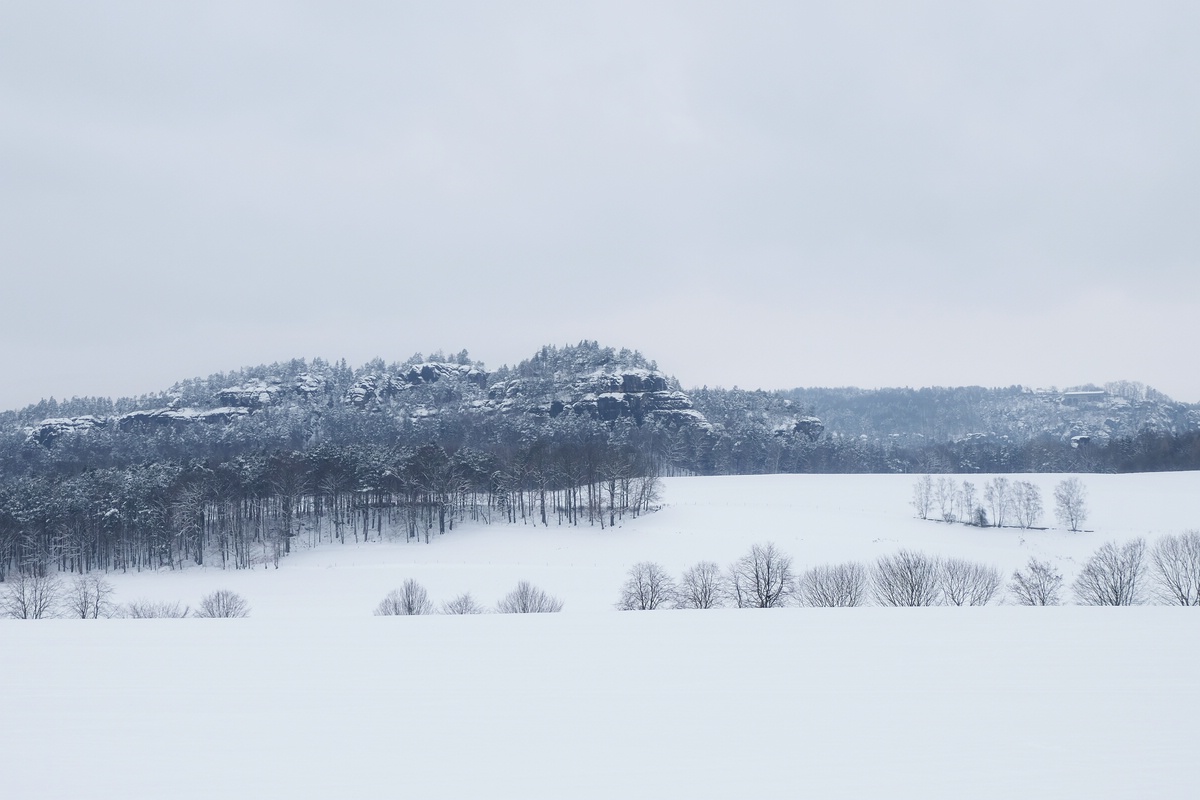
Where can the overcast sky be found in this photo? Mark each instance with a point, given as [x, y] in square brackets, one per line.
[767, 195]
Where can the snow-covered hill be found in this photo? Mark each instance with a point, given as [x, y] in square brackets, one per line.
[815, 518]
[312, 696]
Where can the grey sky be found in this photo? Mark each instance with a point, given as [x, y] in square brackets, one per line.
[768, 195]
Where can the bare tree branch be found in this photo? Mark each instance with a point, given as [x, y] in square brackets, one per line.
[1039, 584]
[907, 579]
[1113, 576]
[647, 587]
[835, 585]
[762, 578]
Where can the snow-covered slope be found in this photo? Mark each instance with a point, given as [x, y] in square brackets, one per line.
[815, 518]
[314, 697]
[829, 703]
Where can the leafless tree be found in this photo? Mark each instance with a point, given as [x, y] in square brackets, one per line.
[967, 507]
[149, 609]
[922, 499]
[30, 594]
[1175, 569]
[528, 599]
[947, 498]
[762, 578]
[89, 597]
[907, 579]
[1039, 584]
[968, 583]
[702, 586]
[463, 604]
[647, 587]
[1026, 503]
[223, 604]
[1070, 503]
[1113, 576]
[409, 600]
[834, 585]
[998, 494]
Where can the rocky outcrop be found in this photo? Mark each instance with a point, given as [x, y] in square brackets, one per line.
[368, 388]
[380, 387]
[180, 416]
[424, 391]
[808, 427]
[435, 371]
[639, 394]
[253, 395]
[48, 430]
[308, 385]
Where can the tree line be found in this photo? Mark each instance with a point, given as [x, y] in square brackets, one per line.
[251, 509]
[46, 595]
[412, 599]
[1009, 502]
[766, 577]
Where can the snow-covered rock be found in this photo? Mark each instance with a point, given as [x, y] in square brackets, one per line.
[251, 395]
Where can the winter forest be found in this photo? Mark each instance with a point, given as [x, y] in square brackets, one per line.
[230, 470]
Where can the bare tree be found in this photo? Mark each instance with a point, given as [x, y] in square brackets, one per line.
[1113, 576]
[1026, 503]
[836, 585]
[947, 498]
[967, 507]
[463, 604]
[31, 594]
[149, 609]
[1039, 584]
[907, 579]
[1175, 569]
[647, 587]
[922, 499]
[223, 604]
[1070, 503]
[528, 599]
[89, 597]
[409, 600]
[998, 494]
[762, 578]
[968, 583]
[702, 586]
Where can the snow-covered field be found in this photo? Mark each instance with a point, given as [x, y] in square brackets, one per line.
[815, 518]
[314, 697]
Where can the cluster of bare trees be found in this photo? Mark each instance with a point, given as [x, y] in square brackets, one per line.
[412, 599]
[44, 595]
[252, 510]
[1175, 567]
[1003, 502]
[911, 578]
[1129, 574]
[1120, 575]
[763, 578]
[766, 577]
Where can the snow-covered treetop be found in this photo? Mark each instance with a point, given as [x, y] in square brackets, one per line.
[585, 358]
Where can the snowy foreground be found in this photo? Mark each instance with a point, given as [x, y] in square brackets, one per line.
[314, 697]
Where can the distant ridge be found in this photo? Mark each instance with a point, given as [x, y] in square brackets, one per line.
[705, 430]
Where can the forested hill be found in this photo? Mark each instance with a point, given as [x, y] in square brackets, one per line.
[920, 417]
[232, 468]
[586, 390]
